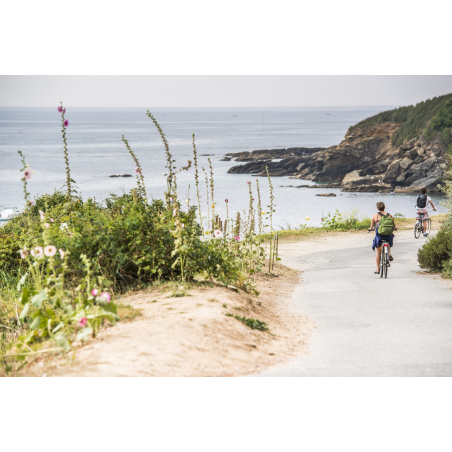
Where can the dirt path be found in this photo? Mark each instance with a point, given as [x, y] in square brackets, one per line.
[192, 336]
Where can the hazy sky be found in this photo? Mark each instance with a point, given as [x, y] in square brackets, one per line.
[220, 91]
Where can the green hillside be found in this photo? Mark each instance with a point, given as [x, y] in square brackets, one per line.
[431, 118]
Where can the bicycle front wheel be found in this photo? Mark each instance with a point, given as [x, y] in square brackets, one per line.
[429, 226]
[417, 230]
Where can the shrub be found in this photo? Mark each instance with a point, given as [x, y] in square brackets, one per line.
[437, 251]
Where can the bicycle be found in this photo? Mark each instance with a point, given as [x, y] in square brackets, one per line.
[419, 225]
[384, 259]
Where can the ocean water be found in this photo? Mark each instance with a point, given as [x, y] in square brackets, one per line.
[96, 152]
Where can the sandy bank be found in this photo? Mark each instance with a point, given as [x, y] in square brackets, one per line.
[193, 336]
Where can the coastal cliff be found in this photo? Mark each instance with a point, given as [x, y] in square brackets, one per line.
[375, 155]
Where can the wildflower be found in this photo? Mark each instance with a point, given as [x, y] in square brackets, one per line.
[218, 234]
[24, 253]
[64, 111]
[256, 179]
[66, 123]
[263, 212]
[37, 252]
[226, 200]
[105, 296]
[47, 225]
[63, 226]
[252, 199]
[28, 173]
[94, 292]
[213, 206]
[137, 171]
[50, 251]
[51, 220]
[62, 253]
[32, 203]
[174, 212]
[41, 214]
[207, 232]
[249, 182]
[237, 237]
[60, 109]
[182, 225]
[187, 201]
[83, 322]
[307, 218]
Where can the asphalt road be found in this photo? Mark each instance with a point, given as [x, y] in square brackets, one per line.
[368, 326]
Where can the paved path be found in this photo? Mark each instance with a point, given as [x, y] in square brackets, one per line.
[367, 326]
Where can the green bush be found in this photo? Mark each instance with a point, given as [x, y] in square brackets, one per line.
[344, 222]
[428, 118]
[437, 251]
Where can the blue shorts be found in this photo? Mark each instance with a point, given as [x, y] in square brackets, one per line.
[378, 238]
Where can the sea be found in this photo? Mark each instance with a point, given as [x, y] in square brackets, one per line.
[96, 152]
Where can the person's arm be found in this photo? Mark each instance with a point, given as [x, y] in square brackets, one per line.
[431, 202]
[372, 223]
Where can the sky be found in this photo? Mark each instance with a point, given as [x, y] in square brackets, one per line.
[150, 91]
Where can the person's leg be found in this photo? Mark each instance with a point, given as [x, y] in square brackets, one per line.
[377, 258]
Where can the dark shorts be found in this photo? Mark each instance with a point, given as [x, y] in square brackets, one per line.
[378, 239]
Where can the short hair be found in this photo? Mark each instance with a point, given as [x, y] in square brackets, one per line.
[423, 191]
[381, 206]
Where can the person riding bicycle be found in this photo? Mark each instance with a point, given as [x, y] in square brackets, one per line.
[422, 207]
[387, 223]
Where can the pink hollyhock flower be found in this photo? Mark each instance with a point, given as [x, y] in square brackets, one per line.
[237, 237]
[37, 252]
[83, 322]
[137, 171]
[256, 179]
[24, 253]
[51, 220]
[28, 173]
[62, 253]
[47, 225]
[249, 182]
[66, 123]
[64, 111]
[226, 200]
[218, 234]
[94, 292]
[60, 109]
[50, 251]
[32, 203]
[41, 214]
[105, 296]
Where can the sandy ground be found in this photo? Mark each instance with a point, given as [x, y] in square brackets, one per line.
[192, 336]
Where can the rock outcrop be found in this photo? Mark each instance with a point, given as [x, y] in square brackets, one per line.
[365, 161]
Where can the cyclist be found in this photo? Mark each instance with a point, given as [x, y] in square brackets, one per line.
[376, 220]
[422, 207]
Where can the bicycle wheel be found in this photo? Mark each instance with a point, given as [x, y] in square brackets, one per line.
[417, 230]
[429, 226]
[386, 265]
[382, 263]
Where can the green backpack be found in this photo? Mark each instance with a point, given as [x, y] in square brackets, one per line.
[386, 225]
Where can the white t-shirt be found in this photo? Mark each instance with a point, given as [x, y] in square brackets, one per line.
[427, 205]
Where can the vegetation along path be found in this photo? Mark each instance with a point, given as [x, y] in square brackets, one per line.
[367, 326]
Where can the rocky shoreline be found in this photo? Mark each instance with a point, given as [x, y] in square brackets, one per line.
[365, 161]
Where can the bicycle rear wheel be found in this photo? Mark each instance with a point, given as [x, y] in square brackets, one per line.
[386, 260]
[382, 263]
[417, 230]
